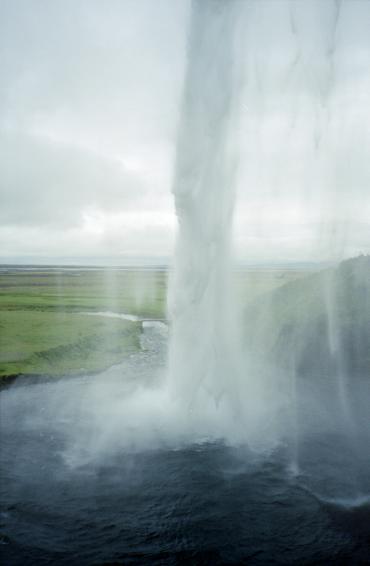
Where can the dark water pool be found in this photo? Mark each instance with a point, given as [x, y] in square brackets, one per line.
[197, 504]
[204, 504]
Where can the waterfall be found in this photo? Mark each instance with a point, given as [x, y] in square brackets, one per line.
[204, 334]
[268, 78]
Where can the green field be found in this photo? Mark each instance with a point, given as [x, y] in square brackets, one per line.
[136, 292]
[34, 342]
[44, 328]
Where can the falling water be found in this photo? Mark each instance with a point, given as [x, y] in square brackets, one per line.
[204, 334]
[286, 62]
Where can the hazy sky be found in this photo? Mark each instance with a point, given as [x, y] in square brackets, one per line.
[89, 101]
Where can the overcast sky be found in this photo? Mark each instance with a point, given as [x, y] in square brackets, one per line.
[89, 101]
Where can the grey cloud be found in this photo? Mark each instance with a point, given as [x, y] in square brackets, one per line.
[109, 67]
[86, 83]
[45, 183]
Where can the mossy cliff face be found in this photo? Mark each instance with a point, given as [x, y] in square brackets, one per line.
[316, 325]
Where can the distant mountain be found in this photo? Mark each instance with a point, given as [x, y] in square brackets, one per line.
[317, 325]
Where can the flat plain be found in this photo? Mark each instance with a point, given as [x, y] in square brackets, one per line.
[45, 323]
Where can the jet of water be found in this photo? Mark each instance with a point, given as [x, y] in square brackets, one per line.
[204, 334]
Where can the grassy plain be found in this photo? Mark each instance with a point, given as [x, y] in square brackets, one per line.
[44, 328]
[78, 290]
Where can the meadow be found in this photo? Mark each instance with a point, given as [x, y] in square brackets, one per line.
[45, 329]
